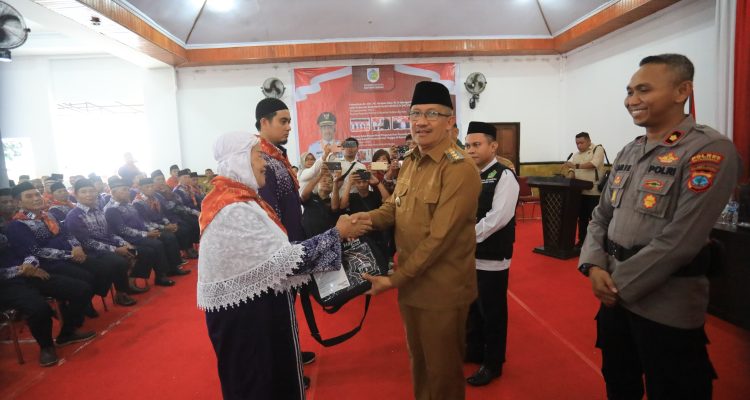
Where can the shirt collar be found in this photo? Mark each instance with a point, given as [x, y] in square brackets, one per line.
[493, 162]
[85, 208]
[436, 153]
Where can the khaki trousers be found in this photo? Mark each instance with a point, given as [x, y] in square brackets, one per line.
[437, 342]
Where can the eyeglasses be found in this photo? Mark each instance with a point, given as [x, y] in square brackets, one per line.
[430, 115]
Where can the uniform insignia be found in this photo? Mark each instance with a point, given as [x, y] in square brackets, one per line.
[649, 201]
[654, 184]
[614, 196]
[668, 158]
[701, 158]
[617, 180]
[700, 181]
[398, 201]
[453, 155]
[674, 137]
[492, 174]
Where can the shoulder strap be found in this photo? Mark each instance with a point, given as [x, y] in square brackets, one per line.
[312, 324]
[605, 152]
[348, 170]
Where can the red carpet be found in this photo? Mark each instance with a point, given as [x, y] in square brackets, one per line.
[159, 349]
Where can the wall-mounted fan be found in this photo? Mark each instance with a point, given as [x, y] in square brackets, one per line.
[273, 87]
[13, 30]
[475, 84]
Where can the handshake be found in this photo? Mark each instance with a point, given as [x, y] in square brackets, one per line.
[354, 226]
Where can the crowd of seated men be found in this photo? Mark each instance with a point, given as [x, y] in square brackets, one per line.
[74, 242]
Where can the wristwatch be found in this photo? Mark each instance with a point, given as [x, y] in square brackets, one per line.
[585, 267]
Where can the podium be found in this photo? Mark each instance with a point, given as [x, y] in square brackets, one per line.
[560, 198]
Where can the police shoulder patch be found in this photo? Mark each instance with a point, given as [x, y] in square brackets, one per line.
[700, 180]
[706, 157]
[453, 155]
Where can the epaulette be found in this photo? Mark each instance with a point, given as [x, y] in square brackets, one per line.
[453, 155]
[409, 153]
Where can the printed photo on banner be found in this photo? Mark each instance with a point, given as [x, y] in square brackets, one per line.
[369, 103]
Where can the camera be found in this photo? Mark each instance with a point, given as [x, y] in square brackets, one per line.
[349, 144]
[364, 175]
[402, 150]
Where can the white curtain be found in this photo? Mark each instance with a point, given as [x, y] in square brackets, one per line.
[725, 21]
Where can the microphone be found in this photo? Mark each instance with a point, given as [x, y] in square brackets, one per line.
[569, 156]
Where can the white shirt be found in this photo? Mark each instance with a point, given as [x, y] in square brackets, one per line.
[503, 209]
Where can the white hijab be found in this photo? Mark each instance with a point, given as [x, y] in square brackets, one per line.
[243, 252]
[232, 153]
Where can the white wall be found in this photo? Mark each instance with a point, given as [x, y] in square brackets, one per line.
[25, 92]
[215, 100]
[31, 87]
[595, 77]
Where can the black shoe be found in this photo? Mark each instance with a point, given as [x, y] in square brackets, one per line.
[306, 382]
[75, 337]
[183, 262]
[122, 299]
[134, 289]
[90, 311]
[308, 357]
[178, 272]
[163, 281]
[483, 376]
[48, 356]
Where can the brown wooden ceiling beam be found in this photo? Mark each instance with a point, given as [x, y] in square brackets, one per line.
[373, 49]
[130, 29]
[610, 19]
[120, 24]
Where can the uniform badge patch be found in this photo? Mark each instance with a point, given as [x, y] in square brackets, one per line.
[700, 181]
[492, 174]
[668, 158]
[453, 155]
[701, 158]
[653, 184]
[618, 180]
[674, 137]
[614, 196]
[649, 201]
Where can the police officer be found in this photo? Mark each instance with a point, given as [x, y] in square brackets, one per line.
[433, 209]
[327, 125]
[645, 252]
[487, 327]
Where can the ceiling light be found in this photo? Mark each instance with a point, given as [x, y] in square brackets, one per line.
[220, 5]
[5, 55]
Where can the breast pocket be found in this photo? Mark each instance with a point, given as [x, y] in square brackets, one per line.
[616, 186]
[652, 195]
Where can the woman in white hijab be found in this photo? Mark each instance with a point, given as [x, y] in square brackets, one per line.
[245, 272]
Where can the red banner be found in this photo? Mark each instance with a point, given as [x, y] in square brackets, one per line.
[368, 102]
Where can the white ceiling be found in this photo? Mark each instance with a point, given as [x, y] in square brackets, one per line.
[44, 41]
[247, 22]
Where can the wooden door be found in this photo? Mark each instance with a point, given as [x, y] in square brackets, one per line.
[509, 140]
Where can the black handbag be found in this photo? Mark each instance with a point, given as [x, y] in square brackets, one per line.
[602, 183]
[357, 257]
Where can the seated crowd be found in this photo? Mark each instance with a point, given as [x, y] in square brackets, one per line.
[74, 243]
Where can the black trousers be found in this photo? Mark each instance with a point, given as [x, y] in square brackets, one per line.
[189, 231]
[108, 269]
[257, 349]
[674, 361]
[28, 296]
[171, 249]
[151, 254]
[71, 270]
[588, 204]
[487, 325]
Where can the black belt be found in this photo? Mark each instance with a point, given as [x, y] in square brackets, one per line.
[621, 253]
[700, 265]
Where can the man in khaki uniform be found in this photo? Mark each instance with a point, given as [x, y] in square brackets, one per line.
[587, 165]
[646, 251]
[433, 208]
